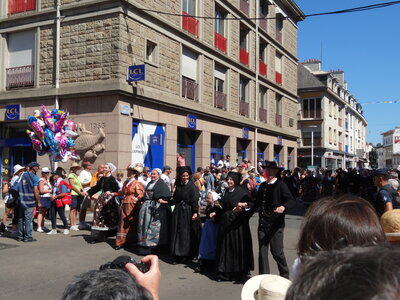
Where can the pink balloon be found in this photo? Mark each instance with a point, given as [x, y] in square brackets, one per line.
[37, 145]
[71, 125]
[37, 129]
[60, 123]
[48, 118]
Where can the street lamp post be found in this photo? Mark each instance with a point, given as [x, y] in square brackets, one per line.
[312, 142]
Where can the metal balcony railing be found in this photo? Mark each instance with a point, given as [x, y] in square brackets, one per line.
[262, 67]
[220, 100]
[220, 42]
[244, 6]
[190, 89]
[244, 56]
[278, 120]
[278, 77]
[262, 114]
[244, 108]
[20, 77]
[190, 24]
[18, 6]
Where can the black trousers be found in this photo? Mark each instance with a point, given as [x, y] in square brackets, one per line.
[271, 236]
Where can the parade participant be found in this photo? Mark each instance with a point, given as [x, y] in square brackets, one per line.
[185, 199]
[61, 196]
[97, 175]
[77, 195]
[85, 177]
[200, 184]
[180, 160]
[120, 182]
[105, 219]
[45, 189]
[273, 199]
[154, 215]
[132, 191]
[209, 234]
[28, 197]
[234, 250]
[385, 197]
[328, 184]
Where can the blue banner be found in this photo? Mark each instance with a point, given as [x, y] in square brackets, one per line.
[191, 121]
[245, 133]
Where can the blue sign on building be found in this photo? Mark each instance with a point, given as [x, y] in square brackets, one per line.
[136, 73]
[191, 121]
[13, 112]
[245, 133]
[279, 140]
[156, 140]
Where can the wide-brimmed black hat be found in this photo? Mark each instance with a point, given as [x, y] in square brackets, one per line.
[271, 165]
[181, 170]
[236, 177]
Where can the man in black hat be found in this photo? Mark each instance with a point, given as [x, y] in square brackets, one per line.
[273, 199]
[385, 197]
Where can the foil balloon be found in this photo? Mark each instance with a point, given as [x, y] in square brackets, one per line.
[37, 145]
[71, 125]
[48, 118]
[50, 141]
[33, 123]
[59, 124]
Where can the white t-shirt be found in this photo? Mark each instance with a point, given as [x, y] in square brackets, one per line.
[85, 177]
[166, 179]
[220, 164]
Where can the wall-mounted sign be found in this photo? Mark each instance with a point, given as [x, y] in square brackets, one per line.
[279, 140]
[156, 139]
[191, 121]
[245, 133]
[136, 73]
[13, 112]
[125, 109]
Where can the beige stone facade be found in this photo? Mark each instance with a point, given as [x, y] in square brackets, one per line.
[100, 39]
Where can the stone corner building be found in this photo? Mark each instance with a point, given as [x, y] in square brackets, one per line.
[215, 85]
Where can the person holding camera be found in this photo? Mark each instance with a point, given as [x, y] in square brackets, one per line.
[118, 280]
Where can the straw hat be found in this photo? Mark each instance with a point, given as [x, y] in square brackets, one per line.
[75, 165]
[138, 167]
[390, 222]
[265, 287]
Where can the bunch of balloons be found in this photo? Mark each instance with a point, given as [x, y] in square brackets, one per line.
[52, 133]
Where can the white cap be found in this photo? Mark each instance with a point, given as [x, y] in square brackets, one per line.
[17, 168]
[45, 170]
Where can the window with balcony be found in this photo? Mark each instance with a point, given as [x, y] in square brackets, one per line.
[190, 86]
[264, 5]
[243, 50]
[278, 110]
[220, 98]
[278, 27]
[278, 68]
[262, 62]
[243, 96]
[189, 23]
[18, 6]
[219, 30]
[262, 110]
[20, 72]
[311, 108]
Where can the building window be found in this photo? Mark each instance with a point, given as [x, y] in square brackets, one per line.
[278, 110]
[279, 27]
[190, 85]
[18, 6]
[263, 14]
[262, 111]
[243, 96]
[243, 54]
[189, 23]
[330, 135]
[21, 63]
[151, 52]
[263, 58]
[334, 137]
[278, 68]
[220, 87]
[245, 6]
[312, 108]
[219, 30]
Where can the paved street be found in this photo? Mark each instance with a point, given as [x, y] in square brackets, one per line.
[42, 269]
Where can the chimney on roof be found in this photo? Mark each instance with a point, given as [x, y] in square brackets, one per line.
[313, 64]
[339, 75]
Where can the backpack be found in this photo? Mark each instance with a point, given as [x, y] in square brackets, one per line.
[13, 198]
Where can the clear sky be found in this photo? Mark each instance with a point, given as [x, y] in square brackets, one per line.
[366, 46]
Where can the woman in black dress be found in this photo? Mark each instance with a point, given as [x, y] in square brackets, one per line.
[106, 210]
[184, 236]
[234, 250]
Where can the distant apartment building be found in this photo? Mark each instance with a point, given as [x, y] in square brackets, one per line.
[331, 120]
[216, 77]
[390, 150]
